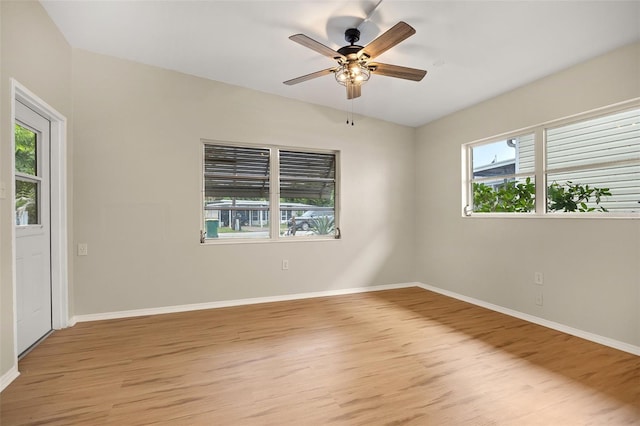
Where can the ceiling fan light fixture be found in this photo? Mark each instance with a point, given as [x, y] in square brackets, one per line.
[353, 73]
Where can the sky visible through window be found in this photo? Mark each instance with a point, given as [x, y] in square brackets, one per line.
[492, 153]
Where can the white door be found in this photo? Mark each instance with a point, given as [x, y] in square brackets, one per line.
[33, 226]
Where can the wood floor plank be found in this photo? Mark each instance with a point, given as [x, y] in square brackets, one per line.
[397, 357]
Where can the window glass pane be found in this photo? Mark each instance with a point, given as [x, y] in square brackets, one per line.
[236, 199]
[27, 203]
[507, 195]
[610, 138]
[307, 189]
[617, 189]
[26, 154]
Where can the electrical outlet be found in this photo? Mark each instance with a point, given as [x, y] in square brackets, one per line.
[285, 264]
[538, 278]
[539, 299]
[83, 250]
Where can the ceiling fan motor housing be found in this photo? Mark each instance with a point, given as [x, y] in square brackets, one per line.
[352, 35]
[346, 51]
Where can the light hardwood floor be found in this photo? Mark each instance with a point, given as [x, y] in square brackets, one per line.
[394, 357]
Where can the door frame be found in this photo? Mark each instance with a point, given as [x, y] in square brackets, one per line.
[58, 205]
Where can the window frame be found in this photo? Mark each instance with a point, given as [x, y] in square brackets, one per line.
[541, 169]
[36, 179]
[274, 194]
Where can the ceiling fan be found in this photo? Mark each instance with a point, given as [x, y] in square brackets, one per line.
[354, 61]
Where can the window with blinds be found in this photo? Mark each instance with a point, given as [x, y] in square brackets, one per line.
[601, 153]
[236, 191]
[240, 187]
[591, 164]
[307, 192]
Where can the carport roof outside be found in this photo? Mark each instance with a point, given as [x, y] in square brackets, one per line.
[243, 172]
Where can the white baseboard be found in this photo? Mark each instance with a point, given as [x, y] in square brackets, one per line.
[229, 303]
[9, 377]
[616, 344]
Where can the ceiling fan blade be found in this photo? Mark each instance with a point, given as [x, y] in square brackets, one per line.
[317, 46]
[396, 71]
[309, 76]
[387, 40]
[353, 91]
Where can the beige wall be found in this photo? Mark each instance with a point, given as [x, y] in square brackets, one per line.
[137, 181]
[591, 266]
[33, 52]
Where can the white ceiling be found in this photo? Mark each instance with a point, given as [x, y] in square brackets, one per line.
[472, 50]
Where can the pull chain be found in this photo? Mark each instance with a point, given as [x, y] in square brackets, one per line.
[351, 114]
[347, 112]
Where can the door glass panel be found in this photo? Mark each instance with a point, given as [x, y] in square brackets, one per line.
[27, 203]
[26, 151]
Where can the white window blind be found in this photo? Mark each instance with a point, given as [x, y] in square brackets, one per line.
[603, 152]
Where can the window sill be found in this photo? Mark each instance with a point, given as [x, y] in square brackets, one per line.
[226, 241]
[593, 215]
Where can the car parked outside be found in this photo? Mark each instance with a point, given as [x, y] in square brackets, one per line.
[306, 220]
